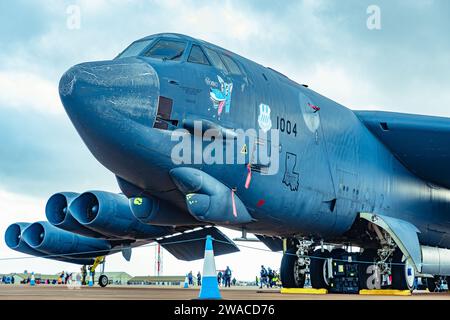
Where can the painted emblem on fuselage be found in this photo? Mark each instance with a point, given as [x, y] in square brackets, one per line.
[264, 121]
[291, 178]
[310, 112]
[221, 97]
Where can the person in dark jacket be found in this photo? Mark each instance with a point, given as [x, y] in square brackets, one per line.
[270, 275]
[227, 277]
[263, 279]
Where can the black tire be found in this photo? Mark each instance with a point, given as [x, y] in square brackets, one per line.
[288, 269]
[317, 269]
[336, 253]
[431, 284]
[103, 281]
[402, 272]
[367, 259]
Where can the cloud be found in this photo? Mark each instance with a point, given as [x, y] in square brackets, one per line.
[29, 91]
[43, 154]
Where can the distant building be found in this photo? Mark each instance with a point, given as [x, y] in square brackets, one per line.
[20, 278]
[115, 278]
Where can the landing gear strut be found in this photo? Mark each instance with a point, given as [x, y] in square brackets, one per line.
[295, 265]
[103, 280]
[391, 261]
[340, 271]
[292, 273]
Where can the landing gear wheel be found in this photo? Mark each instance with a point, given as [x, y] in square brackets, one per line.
[403, 273]
[318, 269]
[432, 284]
[290, 271]
[367, 269]
[103, 281]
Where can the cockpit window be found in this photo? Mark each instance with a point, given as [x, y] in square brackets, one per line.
[135, 48]
[197, 56]
[231, 65]
[167, 50]
[216, 61]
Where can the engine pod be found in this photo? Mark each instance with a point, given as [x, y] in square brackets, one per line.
[58, 214]
[46, 238]
[153, 211]
[208, 199]
[110, 214]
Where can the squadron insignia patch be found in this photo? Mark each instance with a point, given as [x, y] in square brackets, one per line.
[264, 121]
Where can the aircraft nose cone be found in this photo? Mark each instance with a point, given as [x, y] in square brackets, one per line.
[107, 91]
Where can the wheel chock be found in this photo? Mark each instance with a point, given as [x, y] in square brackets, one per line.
[385, 292]
[303, 291]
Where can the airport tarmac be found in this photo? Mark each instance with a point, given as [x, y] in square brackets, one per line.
[47, 292]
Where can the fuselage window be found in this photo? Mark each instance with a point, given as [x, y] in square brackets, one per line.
[231, 65]
[135, 49]
[197, 56]
[215, 59]
[167, 50]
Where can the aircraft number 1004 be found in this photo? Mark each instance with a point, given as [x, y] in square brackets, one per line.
[286, 126]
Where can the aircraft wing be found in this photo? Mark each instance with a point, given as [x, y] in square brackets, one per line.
[190, 245]
[421, 143]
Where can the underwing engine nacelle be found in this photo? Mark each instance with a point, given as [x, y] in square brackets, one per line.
[208, 199]
[110, 214]
[46, 238]
[153, 211]
[14, 240]
[59, 215]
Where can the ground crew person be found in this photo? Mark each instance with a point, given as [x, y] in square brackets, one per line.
[228, 277]
[199, 279]
[83, 275]
[263, 278]
[270, 276]
[275, 279]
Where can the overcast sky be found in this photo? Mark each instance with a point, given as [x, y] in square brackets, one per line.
[403, 66]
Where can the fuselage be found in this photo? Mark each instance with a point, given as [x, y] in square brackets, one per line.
[331, 167]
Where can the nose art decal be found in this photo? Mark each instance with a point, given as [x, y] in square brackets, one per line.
[221, 97]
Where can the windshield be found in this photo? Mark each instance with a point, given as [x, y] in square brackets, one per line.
[167, 50]
[135, 48]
